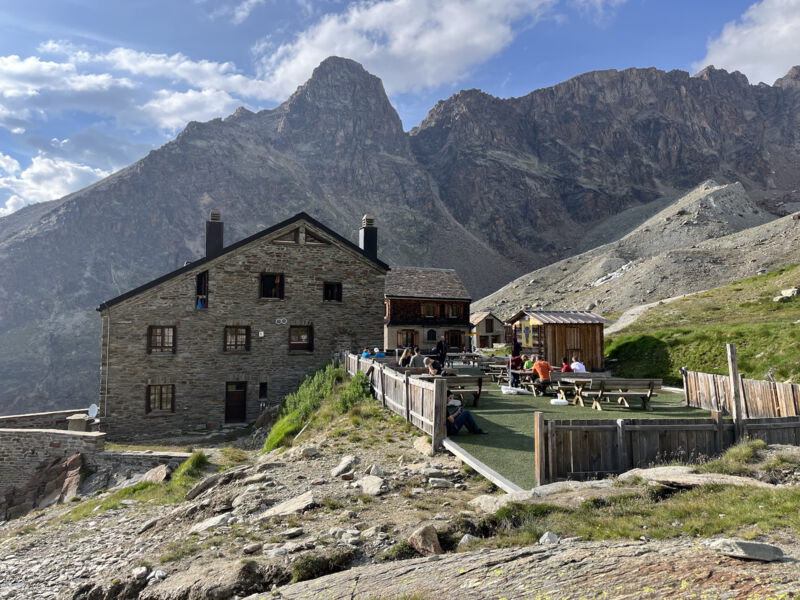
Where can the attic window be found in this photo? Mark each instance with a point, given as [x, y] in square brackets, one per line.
[428, 309]
[455, 311]
[292, 237]
[489, 325]
[201, 283]
[313, 239]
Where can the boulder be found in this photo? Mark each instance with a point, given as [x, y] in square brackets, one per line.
[158, 474]
[685, 477]
[747, 550]
[438, 482]
[791, 292]
[549, 538]
[781, 299]
[466, 540]
[371, 485]
[293, 506]
[425, 540]
[210, 523]
[346, 464]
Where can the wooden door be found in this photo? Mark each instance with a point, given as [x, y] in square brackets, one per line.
[236, 402]
[484, 343]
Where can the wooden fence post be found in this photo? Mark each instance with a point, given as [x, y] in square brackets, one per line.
[439, 413]
[551, 450]
[540, 470]
[358, 364]
[736, 401]
[684, 371]
[622, 448]
[719, 432]
[382, 379]
[407, 398]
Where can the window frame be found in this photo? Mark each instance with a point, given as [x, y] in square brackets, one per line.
[170, 397]
[307, 346]
[201, 290]
[236, 346]
[162, 349]
[425, 313]
[488, 325]
[336, 286]
[281, 285]
[454, 311]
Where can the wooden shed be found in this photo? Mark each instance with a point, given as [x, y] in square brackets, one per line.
[554, 334]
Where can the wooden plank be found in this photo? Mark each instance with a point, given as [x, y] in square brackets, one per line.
[736, 405]
[490, 474]
[551, 451]
[540, 472]
[623, 460]
[439, 415]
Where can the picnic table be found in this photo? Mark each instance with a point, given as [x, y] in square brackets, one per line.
[460, 385]
[605, 388]
[467, 358]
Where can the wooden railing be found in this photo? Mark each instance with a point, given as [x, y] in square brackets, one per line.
[421, 403]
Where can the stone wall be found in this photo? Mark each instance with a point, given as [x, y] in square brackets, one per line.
[199, 370]
[136, 462]
[24, 451]
[43, 420]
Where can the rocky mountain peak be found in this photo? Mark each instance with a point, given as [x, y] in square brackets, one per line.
[791, 79]
[342, 102]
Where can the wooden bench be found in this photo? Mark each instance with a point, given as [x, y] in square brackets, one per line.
[621, 389]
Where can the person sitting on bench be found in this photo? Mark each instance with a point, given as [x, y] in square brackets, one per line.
[541, 371]
[458, 417]
[434, 367]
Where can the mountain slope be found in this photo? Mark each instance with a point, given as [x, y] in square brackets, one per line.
[711, 236]
[490, 187]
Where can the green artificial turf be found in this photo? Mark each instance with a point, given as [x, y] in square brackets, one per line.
[508, 449]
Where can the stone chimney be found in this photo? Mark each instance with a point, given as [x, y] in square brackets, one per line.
[214, 228]
[368, 236]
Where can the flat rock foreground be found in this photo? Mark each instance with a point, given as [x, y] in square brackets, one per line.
[245, 532]
[655, 569]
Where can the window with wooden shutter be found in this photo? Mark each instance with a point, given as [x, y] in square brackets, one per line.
[237, 338]
[161, 340]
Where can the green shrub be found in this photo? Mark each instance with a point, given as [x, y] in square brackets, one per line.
[357, 391]
[311, 566]
[400, 551]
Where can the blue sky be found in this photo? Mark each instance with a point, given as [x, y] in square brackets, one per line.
[89, 86]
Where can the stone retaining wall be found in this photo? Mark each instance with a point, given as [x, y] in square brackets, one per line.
[23, 451]
[56, 419]
[136, 462]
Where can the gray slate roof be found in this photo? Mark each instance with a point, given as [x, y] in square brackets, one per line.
[419, 282]
[561, 316]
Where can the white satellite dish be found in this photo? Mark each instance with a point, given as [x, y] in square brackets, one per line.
[93, 411]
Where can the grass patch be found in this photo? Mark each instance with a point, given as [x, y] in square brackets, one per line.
[311, 566]
[737, 460]
[704, 511]
[400, 551]
[169, 492]
[321, 398]
[693, 332]
[178, 550]
[232, 456]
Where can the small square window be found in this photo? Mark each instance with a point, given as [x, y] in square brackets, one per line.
[332, 291]
[237, 339]
[455, 311]
[428, 309]
[160, 340]
[272, 285]
[160, 398]
[301, 337]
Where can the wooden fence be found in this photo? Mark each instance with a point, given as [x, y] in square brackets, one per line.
[760, 399]
[583, 449]
[421, 403]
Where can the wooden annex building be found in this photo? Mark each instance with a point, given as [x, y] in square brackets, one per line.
[554, 334]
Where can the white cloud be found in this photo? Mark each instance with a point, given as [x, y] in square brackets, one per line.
[45, 179]
[8, 164]
[763, 44]
[410, 44]
[172, 110]
[243, 10]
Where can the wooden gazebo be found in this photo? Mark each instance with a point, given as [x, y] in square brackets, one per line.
[554, 334]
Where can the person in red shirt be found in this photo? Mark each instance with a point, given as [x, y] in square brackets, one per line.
[542, 370]
[515, 363]
[565, 366]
